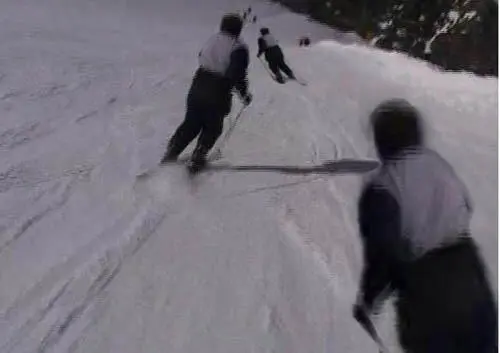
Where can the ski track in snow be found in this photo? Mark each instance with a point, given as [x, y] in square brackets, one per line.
[58, 196]
[93, 259]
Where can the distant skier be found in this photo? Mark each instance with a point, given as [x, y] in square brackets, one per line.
[304, 41]
[414, 220]
[247, 13]
[254, 19]
[223, 64]
[268, 46]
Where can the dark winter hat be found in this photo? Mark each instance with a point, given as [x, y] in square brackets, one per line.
[231, 24]
[396, 125]
[264, 31]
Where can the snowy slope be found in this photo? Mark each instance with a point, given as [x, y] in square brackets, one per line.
[93, 260]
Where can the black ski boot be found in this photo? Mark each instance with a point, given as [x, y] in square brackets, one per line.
[168, 158]
[198, 160]
[170, 155]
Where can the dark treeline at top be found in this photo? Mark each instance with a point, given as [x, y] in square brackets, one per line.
[454, 34]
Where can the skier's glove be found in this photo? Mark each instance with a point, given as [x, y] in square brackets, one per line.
[360, 311]
[247, 99]
[362, 307]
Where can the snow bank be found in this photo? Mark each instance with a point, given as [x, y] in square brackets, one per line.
[94, 260]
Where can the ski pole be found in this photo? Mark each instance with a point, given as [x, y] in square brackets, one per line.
[232, 126]
[365, 322]
[218, 151]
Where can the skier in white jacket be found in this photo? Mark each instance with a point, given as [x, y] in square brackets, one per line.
[268, 45]
[414, 222]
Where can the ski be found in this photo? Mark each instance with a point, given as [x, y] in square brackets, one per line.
[215, 156]
[300, 81]
[285, 80]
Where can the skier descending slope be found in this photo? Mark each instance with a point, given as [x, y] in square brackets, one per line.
[223, 66]
[414, 220]
[268, 46]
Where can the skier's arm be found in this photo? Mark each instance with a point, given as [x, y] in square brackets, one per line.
[379, 219]
[237, 71]
[262, 47]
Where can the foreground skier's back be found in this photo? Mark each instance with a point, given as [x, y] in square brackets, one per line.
[414, 220]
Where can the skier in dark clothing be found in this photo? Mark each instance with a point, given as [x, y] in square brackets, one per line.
[304, 41]
[223, 67]
[414, 222]
[268, 46]
[247, 13]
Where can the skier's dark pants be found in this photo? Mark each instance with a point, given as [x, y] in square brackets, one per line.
[276, 61]
[200, 120]
[446, 305]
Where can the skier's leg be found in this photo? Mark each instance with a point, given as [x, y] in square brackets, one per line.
[211, 131]
[286, 69]
[280, 61]
[274, 66]
[185, 133]
[213, 124]
[461, 300]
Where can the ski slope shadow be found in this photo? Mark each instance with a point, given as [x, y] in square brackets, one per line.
[344, 166]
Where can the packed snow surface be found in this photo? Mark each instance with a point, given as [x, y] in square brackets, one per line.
[93, 259]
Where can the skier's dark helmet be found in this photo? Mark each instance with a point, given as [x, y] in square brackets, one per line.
[396, 125]
[264, 31]
[231, 24]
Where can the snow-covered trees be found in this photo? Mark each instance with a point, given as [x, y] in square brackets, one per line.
[454, 34]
